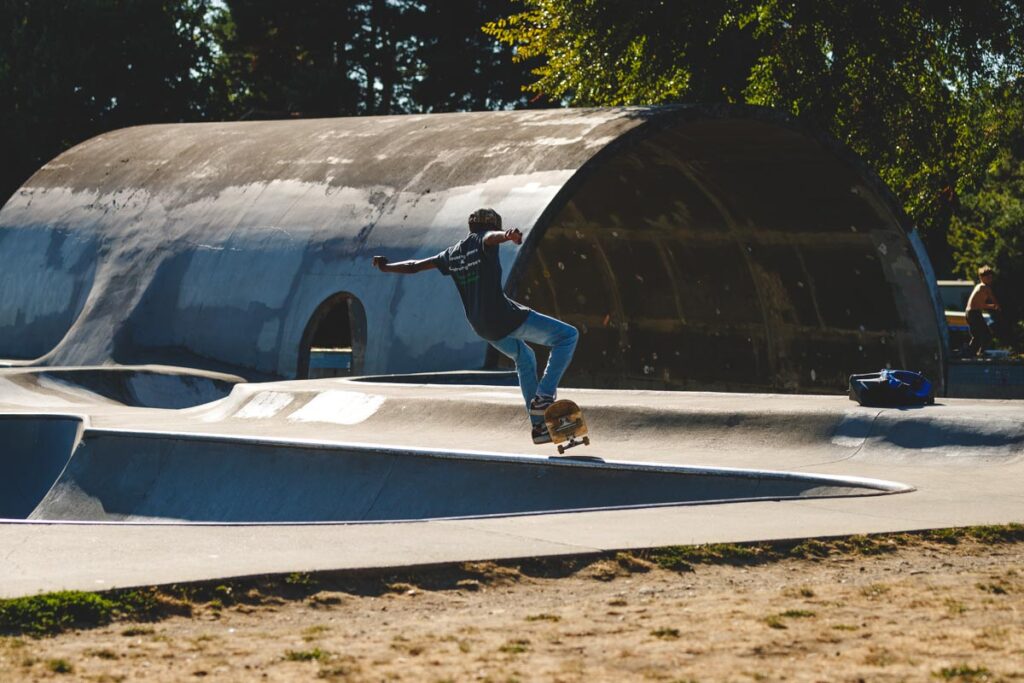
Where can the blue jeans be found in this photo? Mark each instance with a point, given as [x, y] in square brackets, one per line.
[546, 331]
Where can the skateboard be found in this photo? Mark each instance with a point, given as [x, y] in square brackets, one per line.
[565, 422]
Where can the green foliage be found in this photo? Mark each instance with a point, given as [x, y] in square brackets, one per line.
[331, 58]
[305, 655]
[52, 613]
[963, 672]
[666, 633]
[71, 70]
[923, 90]
[682, 558]
[60, 666]
[989, 230]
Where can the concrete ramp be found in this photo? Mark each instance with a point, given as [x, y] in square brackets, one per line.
[33, 451]
[126, 476]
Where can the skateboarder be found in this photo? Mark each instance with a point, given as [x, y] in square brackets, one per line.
[505, 324]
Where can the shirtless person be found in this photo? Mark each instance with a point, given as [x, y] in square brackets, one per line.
[982, 299]
[506, 325]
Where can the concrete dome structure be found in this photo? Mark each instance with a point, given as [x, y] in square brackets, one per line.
[694, 247]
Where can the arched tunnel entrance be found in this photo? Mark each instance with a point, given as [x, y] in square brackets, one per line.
[334, 341]
[728, 254]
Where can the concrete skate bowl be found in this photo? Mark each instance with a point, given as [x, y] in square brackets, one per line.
[117, 476]
[34, 450]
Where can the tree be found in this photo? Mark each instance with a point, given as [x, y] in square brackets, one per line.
[459, 67]
[71, 70]
[988, 229]
[331, 57]
[918, 88]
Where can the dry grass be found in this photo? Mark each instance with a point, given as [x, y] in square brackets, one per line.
[946, 605]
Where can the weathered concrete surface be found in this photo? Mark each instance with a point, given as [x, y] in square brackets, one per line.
[965, 459]
[694, 247]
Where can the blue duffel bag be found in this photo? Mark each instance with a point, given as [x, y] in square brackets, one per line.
[891, 388]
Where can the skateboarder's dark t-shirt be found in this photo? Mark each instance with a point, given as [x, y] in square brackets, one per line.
[477, 275]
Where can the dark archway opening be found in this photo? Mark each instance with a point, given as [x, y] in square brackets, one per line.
[334, 341]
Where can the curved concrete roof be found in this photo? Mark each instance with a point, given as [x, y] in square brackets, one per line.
[212, 245]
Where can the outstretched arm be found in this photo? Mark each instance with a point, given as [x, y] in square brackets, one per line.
[405, 267]
[511, 235]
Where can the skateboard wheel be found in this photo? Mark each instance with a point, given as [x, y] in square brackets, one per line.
[586, 441]
[561, 450]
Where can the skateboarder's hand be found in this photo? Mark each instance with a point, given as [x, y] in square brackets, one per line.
[379, 262]
[514, 235]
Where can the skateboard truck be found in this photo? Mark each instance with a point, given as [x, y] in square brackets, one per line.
[565, 423]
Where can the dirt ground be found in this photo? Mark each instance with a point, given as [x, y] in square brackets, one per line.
[912, 608]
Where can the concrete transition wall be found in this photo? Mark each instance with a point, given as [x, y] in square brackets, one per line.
[694, 247]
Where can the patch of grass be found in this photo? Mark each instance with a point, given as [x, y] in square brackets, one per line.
[986, 533]
[666, 633]
[868, 545]
[60, 666]
[316, 654]
[851, 545]
[51, 613]
[102, 654]
[950, 536]
[963, 672]
[996, 533]
[225, 594]
[543, 617]
[810, 549]
[515, 647]
[776, 620]
[302, 579]
[132, 631]
[845, 627]
[806, 592]
[797, 614]
[682, 558]
[993, 588]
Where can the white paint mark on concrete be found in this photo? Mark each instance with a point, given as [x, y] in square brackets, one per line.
[264, 405]
[339, 407]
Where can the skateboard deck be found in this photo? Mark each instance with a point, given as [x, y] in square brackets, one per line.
[565, 422]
